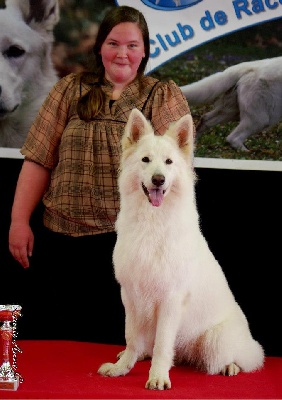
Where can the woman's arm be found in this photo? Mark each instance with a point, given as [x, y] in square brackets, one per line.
[32, 183]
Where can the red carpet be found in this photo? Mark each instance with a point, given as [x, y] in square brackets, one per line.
[68, 370]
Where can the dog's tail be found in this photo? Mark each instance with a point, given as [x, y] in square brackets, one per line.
[208, 89]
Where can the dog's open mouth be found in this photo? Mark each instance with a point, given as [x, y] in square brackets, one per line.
[155, 196]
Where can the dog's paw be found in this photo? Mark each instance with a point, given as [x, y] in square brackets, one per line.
[158, 383]
[237, 144]
[110, 369]
[230, 370]
[107, 369]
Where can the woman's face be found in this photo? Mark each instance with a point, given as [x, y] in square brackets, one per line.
[122, 53]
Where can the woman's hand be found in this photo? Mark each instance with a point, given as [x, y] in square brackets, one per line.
[21, 240]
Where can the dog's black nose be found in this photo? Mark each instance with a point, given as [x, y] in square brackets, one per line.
[158, 180]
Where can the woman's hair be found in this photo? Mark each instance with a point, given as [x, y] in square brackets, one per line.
[91, 104]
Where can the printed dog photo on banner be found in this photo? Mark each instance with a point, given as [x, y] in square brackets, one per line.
[26, 69]
[227, 70]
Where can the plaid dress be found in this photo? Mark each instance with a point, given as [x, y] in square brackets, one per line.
[82, 198]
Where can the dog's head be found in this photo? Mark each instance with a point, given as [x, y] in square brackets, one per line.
[153, 163]
[26, 68]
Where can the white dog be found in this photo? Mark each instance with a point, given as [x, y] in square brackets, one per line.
[178, 305]
[26, 69]
[249, 92]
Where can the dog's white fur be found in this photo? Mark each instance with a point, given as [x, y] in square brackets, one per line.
[249, 92]
[178, 305]
[26, 69]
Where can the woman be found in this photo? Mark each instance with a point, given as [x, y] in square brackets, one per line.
[71, 162]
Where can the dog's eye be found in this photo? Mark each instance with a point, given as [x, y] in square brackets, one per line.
[146, 159]
[14, 52]
[168, 161]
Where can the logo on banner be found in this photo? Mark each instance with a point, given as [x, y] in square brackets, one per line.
[170, 5]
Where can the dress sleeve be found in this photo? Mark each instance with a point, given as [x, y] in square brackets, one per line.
[43, 139]
[168, 105]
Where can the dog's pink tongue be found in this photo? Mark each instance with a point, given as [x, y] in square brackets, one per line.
[156, 197]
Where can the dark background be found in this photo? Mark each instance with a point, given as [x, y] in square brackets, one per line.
[240, 214]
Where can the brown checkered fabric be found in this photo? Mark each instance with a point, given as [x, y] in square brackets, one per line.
[84, 156]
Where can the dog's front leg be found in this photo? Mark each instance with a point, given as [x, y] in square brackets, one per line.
[169, 314]
[134, 343]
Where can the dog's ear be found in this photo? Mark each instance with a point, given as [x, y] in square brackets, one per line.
[183, 132]
[136, 126]
[40, 15]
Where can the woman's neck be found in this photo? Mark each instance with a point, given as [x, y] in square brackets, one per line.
[118, 87]
[117, 90]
